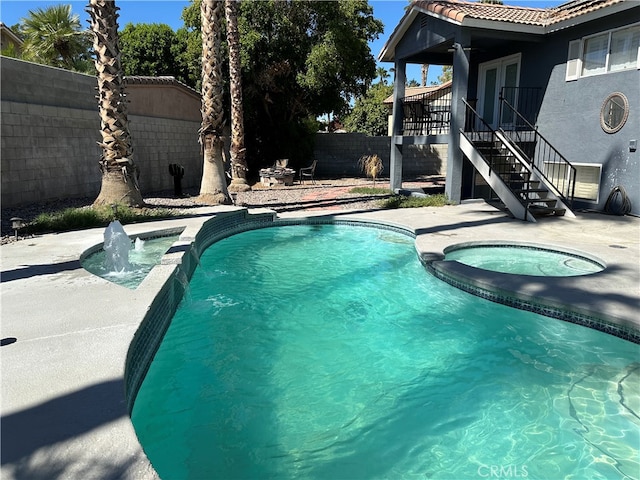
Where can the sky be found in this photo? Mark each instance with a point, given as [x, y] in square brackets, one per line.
[169, 12]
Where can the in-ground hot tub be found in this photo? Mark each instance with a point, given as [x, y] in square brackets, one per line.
[524, 259]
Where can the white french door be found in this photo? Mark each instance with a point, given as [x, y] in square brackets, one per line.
[492, 76]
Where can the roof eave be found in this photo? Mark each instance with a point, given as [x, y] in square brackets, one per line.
[590, 16]
[504, 26]
[387, 54]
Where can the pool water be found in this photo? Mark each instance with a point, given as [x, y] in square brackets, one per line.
[329, 352]
[524, 260]
[143, 256]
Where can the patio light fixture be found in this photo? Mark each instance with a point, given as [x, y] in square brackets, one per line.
[17, 223]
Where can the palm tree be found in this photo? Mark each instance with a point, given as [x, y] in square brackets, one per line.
[383, 74]
[119, 172]
[238, 160]
[54, 36]
[213, 188]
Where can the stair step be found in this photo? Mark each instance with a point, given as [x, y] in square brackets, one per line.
[533, 201]
[546, 212]
[530, 190]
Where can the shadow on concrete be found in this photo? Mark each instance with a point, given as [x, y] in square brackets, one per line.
[461, 225]
[36, 270]
[60, 419]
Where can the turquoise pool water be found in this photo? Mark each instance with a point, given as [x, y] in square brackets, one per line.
[329, 352]
[143, 256]
[524, 260]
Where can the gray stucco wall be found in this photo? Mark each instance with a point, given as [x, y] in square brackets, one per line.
[50, 129]
[570, 115]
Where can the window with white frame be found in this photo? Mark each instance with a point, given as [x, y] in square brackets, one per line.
[612, 51]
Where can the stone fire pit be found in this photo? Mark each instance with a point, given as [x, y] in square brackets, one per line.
[277, 176]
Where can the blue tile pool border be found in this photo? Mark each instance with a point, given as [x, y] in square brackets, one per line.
[154, 325]
[512, 299]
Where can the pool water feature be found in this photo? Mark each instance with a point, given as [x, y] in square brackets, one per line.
[143, 255]
[329, 352]
[523, 260]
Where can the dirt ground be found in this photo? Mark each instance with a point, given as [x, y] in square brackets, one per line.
[324, 194]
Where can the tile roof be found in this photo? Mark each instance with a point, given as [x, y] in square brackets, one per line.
[458, 10]
[410, 91]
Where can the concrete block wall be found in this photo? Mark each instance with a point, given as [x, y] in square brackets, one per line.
[338, 156]
[48, 152]
[158, 142]
[49, 133]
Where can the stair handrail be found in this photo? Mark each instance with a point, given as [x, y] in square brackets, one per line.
[559, 190]
[488, 134]
[470, 124]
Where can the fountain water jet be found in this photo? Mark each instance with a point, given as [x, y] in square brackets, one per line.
[138, 244]
[116, 246]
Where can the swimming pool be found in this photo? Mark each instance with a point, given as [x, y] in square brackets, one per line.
[328, 352]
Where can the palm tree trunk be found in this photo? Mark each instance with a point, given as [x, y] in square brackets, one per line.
[425, 72]
[213, 188]
[119, 172]
[238, 151]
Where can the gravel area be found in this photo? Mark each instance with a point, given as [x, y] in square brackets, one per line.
[331, 194]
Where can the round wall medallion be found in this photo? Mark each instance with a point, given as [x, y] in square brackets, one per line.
[614, 112]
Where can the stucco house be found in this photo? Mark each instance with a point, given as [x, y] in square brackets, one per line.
[9, 41]
[545, 103]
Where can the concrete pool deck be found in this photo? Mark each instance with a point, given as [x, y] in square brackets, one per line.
[63, 409]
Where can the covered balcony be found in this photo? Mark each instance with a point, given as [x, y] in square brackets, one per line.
[427, 113]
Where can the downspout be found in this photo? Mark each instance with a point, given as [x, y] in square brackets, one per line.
[395, 161]
[459, 88]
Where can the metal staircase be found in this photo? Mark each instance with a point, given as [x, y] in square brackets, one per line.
[528, 181]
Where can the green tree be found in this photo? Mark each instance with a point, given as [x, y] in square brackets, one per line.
[53, 36]
[447, 74]
[150, 49]
[369, 115]
[300, 60]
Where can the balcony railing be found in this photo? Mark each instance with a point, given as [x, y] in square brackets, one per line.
[427, 113]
